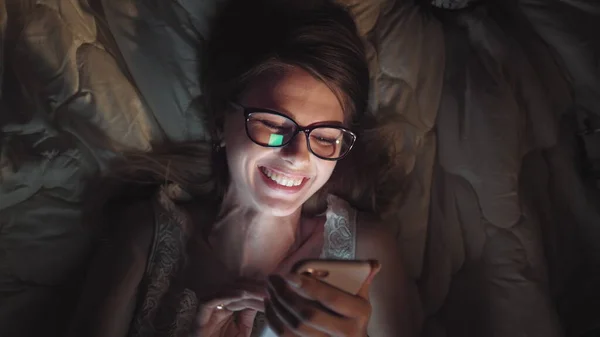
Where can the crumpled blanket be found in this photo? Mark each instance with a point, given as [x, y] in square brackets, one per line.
[496, 222]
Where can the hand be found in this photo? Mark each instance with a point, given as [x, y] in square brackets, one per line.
[244, 301]
[300, 305]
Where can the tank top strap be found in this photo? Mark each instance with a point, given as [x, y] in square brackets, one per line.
[167, 307]
[340, 230]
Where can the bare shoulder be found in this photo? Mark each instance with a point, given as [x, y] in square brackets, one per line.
[374, 240]
[393, 295]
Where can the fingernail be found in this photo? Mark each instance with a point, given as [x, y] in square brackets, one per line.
[294, 280]
[375, 265]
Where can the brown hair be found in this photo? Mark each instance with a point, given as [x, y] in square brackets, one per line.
[254, 37]
[249, 39]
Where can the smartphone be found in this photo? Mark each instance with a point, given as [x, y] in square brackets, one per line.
[346, 275]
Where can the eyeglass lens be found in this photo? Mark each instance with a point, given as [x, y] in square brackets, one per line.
[269, 129]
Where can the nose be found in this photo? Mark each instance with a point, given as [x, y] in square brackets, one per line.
[296, 152]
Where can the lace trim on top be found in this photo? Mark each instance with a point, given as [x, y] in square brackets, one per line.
[340, 230]
[168, 308]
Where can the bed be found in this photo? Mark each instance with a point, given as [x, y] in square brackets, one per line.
[494, 107]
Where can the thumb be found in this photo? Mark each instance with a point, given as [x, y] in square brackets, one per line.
[246, 321]
[364, 289]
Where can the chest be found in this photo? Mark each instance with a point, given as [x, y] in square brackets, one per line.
[175, 284]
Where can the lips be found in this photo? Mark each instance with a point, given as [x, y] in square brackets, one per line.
[282, 181]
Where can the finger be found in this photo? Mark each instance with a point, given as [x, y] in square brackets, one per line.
[306, 317]
[292, 321]
[209, 311]
[364, 289]
[214, 318]
[253, 287]
[246, 321]
[273, 320]
[257, 305]
[233, 296]
[332, 298]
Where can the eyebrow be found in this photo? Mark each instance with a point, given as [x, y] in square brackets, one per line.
[344, 123]
[332, 123]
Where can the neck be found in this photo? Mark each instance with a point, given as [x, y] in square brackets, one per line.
[256, 241]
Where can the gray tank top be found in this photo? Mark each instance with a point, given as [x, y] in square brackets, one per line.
[340, 230]
[167, 307]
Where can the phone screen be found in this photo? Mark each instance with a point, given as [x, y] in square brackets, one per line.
[347, 275]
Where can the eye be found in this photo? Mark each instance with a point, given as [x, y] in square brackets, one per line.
[271, 125]
[325, 140]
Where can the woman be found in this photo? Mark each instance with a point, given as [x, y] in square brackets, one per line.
[210, 252]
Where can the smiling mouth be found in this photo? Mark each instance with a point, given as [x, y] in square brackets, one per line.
[282, 180]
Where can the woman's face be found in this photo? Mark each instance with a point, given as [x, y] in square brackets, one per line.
[261, 175]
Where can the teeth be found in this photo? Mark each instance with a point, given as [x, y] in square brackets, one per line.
[282, 180]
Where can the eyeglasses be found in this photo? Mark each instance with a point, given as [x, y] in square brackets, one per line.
[270, 128]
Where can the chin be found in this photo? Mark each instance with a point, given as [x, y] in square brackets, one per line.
[278, 207]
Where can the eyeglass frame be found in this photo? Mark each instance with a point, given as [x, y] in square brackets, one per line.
[248, 111]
